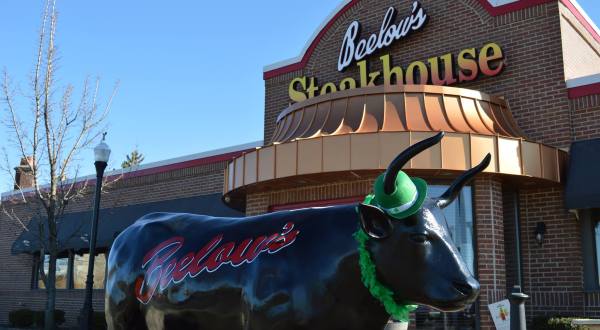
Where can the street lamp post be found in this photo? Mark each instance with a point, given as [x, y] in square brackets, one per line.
[101, 155]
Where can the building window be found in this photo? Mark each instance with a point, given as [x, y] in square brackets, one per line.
[597, 239]
[459, 217]
[62, 265]
[71, 271]
[459, 220]
[80, 270]
[590, 243]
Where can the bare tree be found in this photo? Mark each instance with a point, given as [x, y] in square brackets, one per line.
[49, 134]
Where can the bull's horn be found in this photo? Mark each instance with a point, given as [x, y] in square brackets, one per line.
[461, 181]
[396, 165]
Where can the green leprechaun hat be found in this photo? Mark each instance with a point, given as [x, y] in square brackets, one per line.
[406, 199]
[395, 192]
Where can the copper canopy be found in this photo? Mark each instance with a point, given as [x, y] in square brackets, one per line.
[356, 133]
[397, 108]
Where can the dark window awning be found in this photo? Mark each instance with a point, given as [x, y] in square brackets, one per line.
[583, 180]
[74, 228]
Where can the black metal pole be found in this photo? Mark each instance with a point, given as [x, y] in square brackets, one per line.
[87, 310]
[517, 237]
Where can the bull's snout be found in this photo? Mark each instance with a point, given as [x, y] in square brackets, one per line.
[469, 289]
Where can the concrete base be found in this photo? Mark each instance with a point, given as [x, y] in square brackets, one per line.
[591, 324]
[396, 326]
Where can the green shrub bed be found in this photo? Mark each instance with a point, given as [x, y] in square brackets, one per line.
[26, 318]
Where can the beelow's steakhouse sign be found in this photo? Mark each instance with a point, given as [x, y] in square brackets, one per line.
[446, 69]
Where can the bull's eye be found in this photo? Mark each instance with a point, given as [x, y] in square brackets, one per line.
[419, 238]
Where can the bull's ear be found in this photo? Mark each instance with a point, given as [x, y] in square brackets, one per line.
[374, 221]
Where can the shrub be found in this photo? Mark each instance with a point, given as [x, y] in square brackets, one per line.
[25, 318]
[21, 318]
[40, 317]
[554, 323]
[99, 321]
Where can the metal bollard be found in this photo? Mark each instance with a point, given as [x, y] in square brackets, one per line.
[517, 309]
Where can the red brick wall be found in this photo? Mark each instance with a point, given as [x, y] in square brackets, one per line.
[586, 117]
[592, 305]
[553, 272]
[259, 203]
[15, 277]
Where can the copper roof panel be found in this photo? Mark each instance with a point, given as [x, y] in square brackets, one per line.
[364, 153]
[229, 178]
[532, 163]
[251, 167]
[310, 156]
[397, 108]
[354, 113]
[238, 166]
[266, 163]
[483, 107]
[428, 159]
[455, 115]
[456, 152]
[285, 126]
[550, 163]
[336, 115]
[321, 115]
[501, 119]
[368, 123]
[297, 119]
[435, 114]
[348, 156]
[391, 145]
[285, 159]
[375, 107]
[307, 119]
[481, 145]
[393, 116]
[414, 111]
[472, 116]
[336, 153]
[509, 154]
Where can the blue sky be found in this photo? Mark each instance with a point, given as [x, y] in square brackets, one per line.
[190, 72]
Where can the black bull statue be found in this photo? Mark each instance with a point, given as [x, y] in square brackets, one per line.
[285, 270]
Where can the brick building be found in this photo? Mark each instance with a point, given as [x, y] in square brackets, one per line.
[518, 79]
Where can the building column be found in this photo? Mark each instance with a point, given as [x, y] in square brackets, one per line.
[489, 237]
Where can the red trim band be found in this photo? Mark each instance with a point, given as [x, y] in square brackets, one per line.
[155, 170]
[581, 19]
[186, 164]
[510, 7]
[585, 90]
[493, 11]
